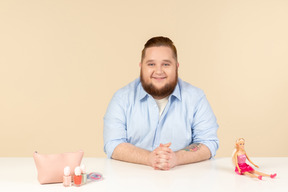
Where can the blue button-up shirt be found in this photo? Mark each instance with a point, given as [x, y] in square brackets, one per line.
[133, 117]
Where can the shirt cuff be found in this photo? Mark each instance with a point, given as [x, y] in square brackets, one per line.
[212, 146]
[109, 147]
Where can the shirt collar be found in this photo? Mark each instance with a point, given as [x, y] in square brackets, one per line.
[142, 92]
[176, 93]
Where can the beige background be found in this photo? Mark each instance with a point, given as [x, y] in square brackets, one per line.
[61, 62]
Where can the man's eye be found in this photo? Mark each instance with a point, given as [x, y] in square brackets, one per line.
[151, 64]
[166, 64]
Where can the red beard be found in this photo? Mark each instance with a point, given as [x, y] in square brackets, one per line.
[159, 93]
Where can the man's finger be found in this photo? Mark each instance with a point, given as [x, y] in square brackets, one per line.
[166, 145]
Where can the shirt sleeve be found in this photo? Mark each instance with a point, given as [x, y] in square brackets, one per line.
[114, 131]
[204, 126]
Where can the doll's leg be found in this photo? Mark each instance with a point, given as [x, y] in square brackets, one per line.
[252, 175]
[262, 174]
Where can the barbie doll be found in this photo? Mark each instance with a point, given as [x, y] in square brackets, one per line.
[239, 160]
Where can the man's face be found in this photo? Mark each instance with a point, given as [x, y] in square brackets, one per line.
[159, 71]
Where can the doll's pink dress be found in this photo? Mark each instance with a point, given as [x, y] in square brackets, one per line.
[244, 167]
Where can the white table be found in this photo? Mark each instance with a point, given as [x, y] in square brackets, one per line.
[19, 174]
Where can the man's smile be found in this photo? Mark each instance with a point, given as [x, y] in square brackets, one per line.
[159, 78]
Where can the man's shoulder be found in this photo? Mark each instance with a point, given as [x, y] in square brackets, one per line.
[188, 90]
[128, 90]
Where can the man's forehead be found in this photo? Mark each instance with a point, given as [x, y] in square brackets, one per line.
[159, 53]
[159, 48]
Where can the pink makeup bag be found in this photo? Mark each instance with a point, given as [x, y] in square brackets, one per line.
[51, 167]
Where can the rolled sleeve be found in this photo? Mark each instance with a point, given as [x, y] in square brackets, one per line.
[111, 145]
[114, 131]
[212, 146]
[205, 126]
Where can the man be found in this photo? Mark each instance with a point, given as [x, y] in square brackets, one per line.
[160, 120]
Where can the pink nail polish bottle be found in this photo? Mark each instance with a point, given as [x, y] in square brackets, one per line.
[67, 177]
[77, 177]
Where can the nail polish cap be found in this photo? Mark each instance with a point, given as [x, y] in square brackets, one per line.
[77, 171]
[83, 168]
[67, 171]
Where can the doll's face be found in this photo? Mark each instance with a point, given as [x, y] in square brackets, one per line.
[241, 145]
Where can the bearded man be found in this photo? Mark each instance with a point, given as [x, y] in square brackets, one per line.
[159, 120]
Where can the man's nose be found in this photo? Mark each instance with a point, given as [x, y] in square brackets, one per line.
[158, 69]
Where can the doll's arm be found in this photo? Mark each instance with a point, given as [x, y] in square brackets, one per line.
[251, 161]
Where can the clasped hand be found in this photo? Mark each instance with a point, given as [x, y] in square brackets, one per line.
[163, 158]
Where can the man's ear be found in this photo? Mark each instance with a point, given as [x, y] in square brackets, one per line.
[140, 64]
[177, 65]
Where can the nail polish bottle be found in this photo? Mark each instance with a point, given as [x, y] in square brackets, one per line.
[77, 176]
[83, 174]
[67, 177]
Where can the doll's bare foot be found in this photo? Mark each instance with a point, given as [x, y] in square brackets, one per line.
[273, 175]
[260, 177]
